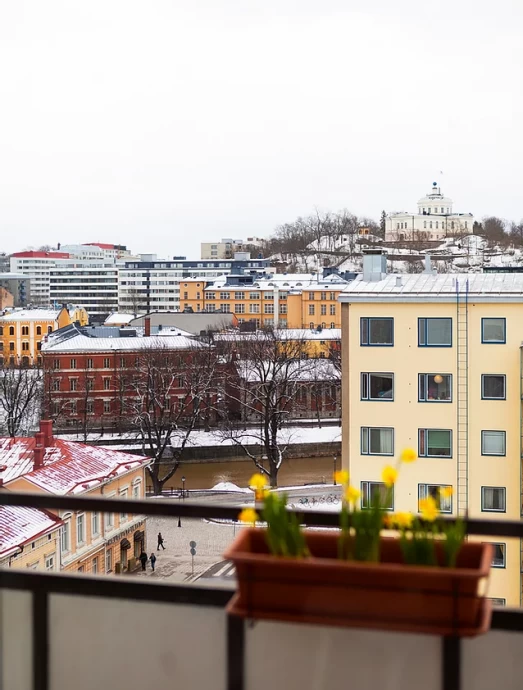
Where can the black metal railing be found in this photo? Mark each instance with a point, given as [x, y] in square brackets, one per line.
[43, 584]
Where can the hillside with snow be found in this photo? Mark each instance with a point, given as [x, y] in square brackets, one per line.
[464, 254]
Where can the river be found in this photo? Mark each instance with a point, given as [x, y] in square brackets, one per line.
[294, 471]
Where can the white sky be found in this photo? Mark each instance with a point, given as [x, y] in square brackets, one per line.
[164, 123]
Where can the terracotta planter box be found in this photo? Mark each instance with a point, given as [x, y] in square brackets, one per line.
[388, 595]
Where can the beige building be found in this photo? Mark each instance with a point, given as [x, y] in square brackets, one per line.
[433, 362]
[225, 249]
[29, 538]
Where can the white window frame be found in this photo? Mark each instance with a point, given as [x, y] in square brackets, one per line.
[365, 432]
[503, 489]
[499, 434]
[444, 503]
[65, 534]
[81, 517]
[95, 524]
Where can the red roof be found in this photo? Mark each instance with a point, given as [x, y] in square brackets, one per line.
[99, 244]
[68, 467]
[42, 255]
[19, 525]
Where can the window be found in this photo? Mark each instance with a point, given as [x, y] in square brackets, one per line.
[434, 387]
[109, 521]
[332, 296]
[283, 308]
[493, 499]
[107, 383]
[239, 308]
[25, 330]
[370, 491]
[11, 347]
[435, 332]
[211, 295]
[376, 332]
[225, 295]
[311, 309]
[444, 503]
[95, 524]
[333, 310]
[493, 443]
[107, 362]
[25, 346]
[94, 566]
[56, 385]
[435, 443]
[39, 330]
[268, 308]
[80, 528]
[65, 535]
[323, 310]
[377, 440]
[225, 308]
[137, 485]
[107, 406]
[49, 329]
[49, 562]
[493, 331]
[239, 295]
[377, 386]
[254, 308]
[56, 364]
[333, 325]
[123, 495]
[108, 560]
[493, 387]
[73, 363]
[72, 406]
[89, 406]
[498, 560]
[73, 384]
[311, 296]
[254, 295]
[11, 330]
[496, 601]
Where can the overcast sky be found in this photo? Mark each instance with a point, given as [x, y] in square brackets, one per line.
[163, 123]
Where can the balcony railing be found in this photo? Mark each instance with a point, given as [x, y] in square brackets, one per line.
[60, 631]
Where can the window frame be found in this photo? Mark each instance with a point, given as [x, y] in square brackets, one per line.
[369, 319]
[426, 400]
[494, 510]
[366, 495]
[427, 494]
[426, 319]
[366, 430]
[494, 342]
[65, 534]
[83, 541]
[504, 376]
[365, 376]
[496, 431]
[425, 454]
[504, 562]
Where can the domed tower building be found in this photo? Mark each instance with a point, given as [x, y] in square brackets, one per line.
[434, 220]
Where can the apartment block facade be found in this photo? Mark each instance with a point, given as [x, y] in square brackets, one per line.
[433, 362]
[37, 266]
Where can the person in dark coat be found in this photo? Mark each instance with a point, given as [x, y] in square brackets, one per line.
[143, 559]
[153, 561]
[160, 541]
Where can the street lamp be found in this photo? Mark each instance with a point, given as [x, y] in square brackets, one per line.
[334, 459]
[183, 488]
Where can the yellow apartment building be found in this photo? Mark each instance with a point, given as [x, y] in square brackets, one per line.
[29, 538]
[22, 332]
[302, 301]
[315, 344]
[88, 541]
[433, 362]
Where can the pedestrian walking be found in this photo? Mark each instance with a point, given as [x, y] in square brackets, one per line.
[143, 559]
[153, 561]
[160, 541]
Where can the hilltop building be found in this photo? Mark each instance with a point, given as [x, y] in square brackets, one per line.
[434, 220]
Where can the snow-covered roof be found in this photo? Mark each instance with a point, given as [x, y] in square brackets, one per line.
[490, 287]
[31, 315]
[299, 370]
[19, 525]
[283, 334]
[84, 343]
[68, 467]
[117, 318]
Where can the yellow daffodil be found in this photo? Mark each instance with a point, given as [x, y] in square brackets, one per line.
[408, 455]
[257, 481]
[389, 476]
[352, 494]
[446, 491]
[341, 477]
[248, 515]
[388, 521]
[403, 520]
[429, 509]
[260, 494]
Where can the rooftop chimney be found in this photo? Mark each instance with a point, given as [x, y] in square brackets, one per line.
[38, 456]
[398, 281]
[147, 323]
[374, 265]
[46, 429]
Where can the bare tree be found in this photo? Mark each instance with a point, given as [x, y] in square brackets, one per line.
[324, 387]
[265, 377]
[20, 398]
[170, 394]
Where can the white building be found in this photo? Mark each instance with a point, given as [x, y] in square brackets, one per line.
[227, 247]
[434, 220]
[37, 266]
[90, 284]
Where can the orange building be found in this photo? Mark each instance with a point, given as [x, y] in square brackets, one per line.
[6, 298]
[285, 300]
[89, 541]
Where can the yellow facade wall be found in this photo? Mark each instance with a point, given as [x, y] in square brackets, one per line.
[406, 415]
